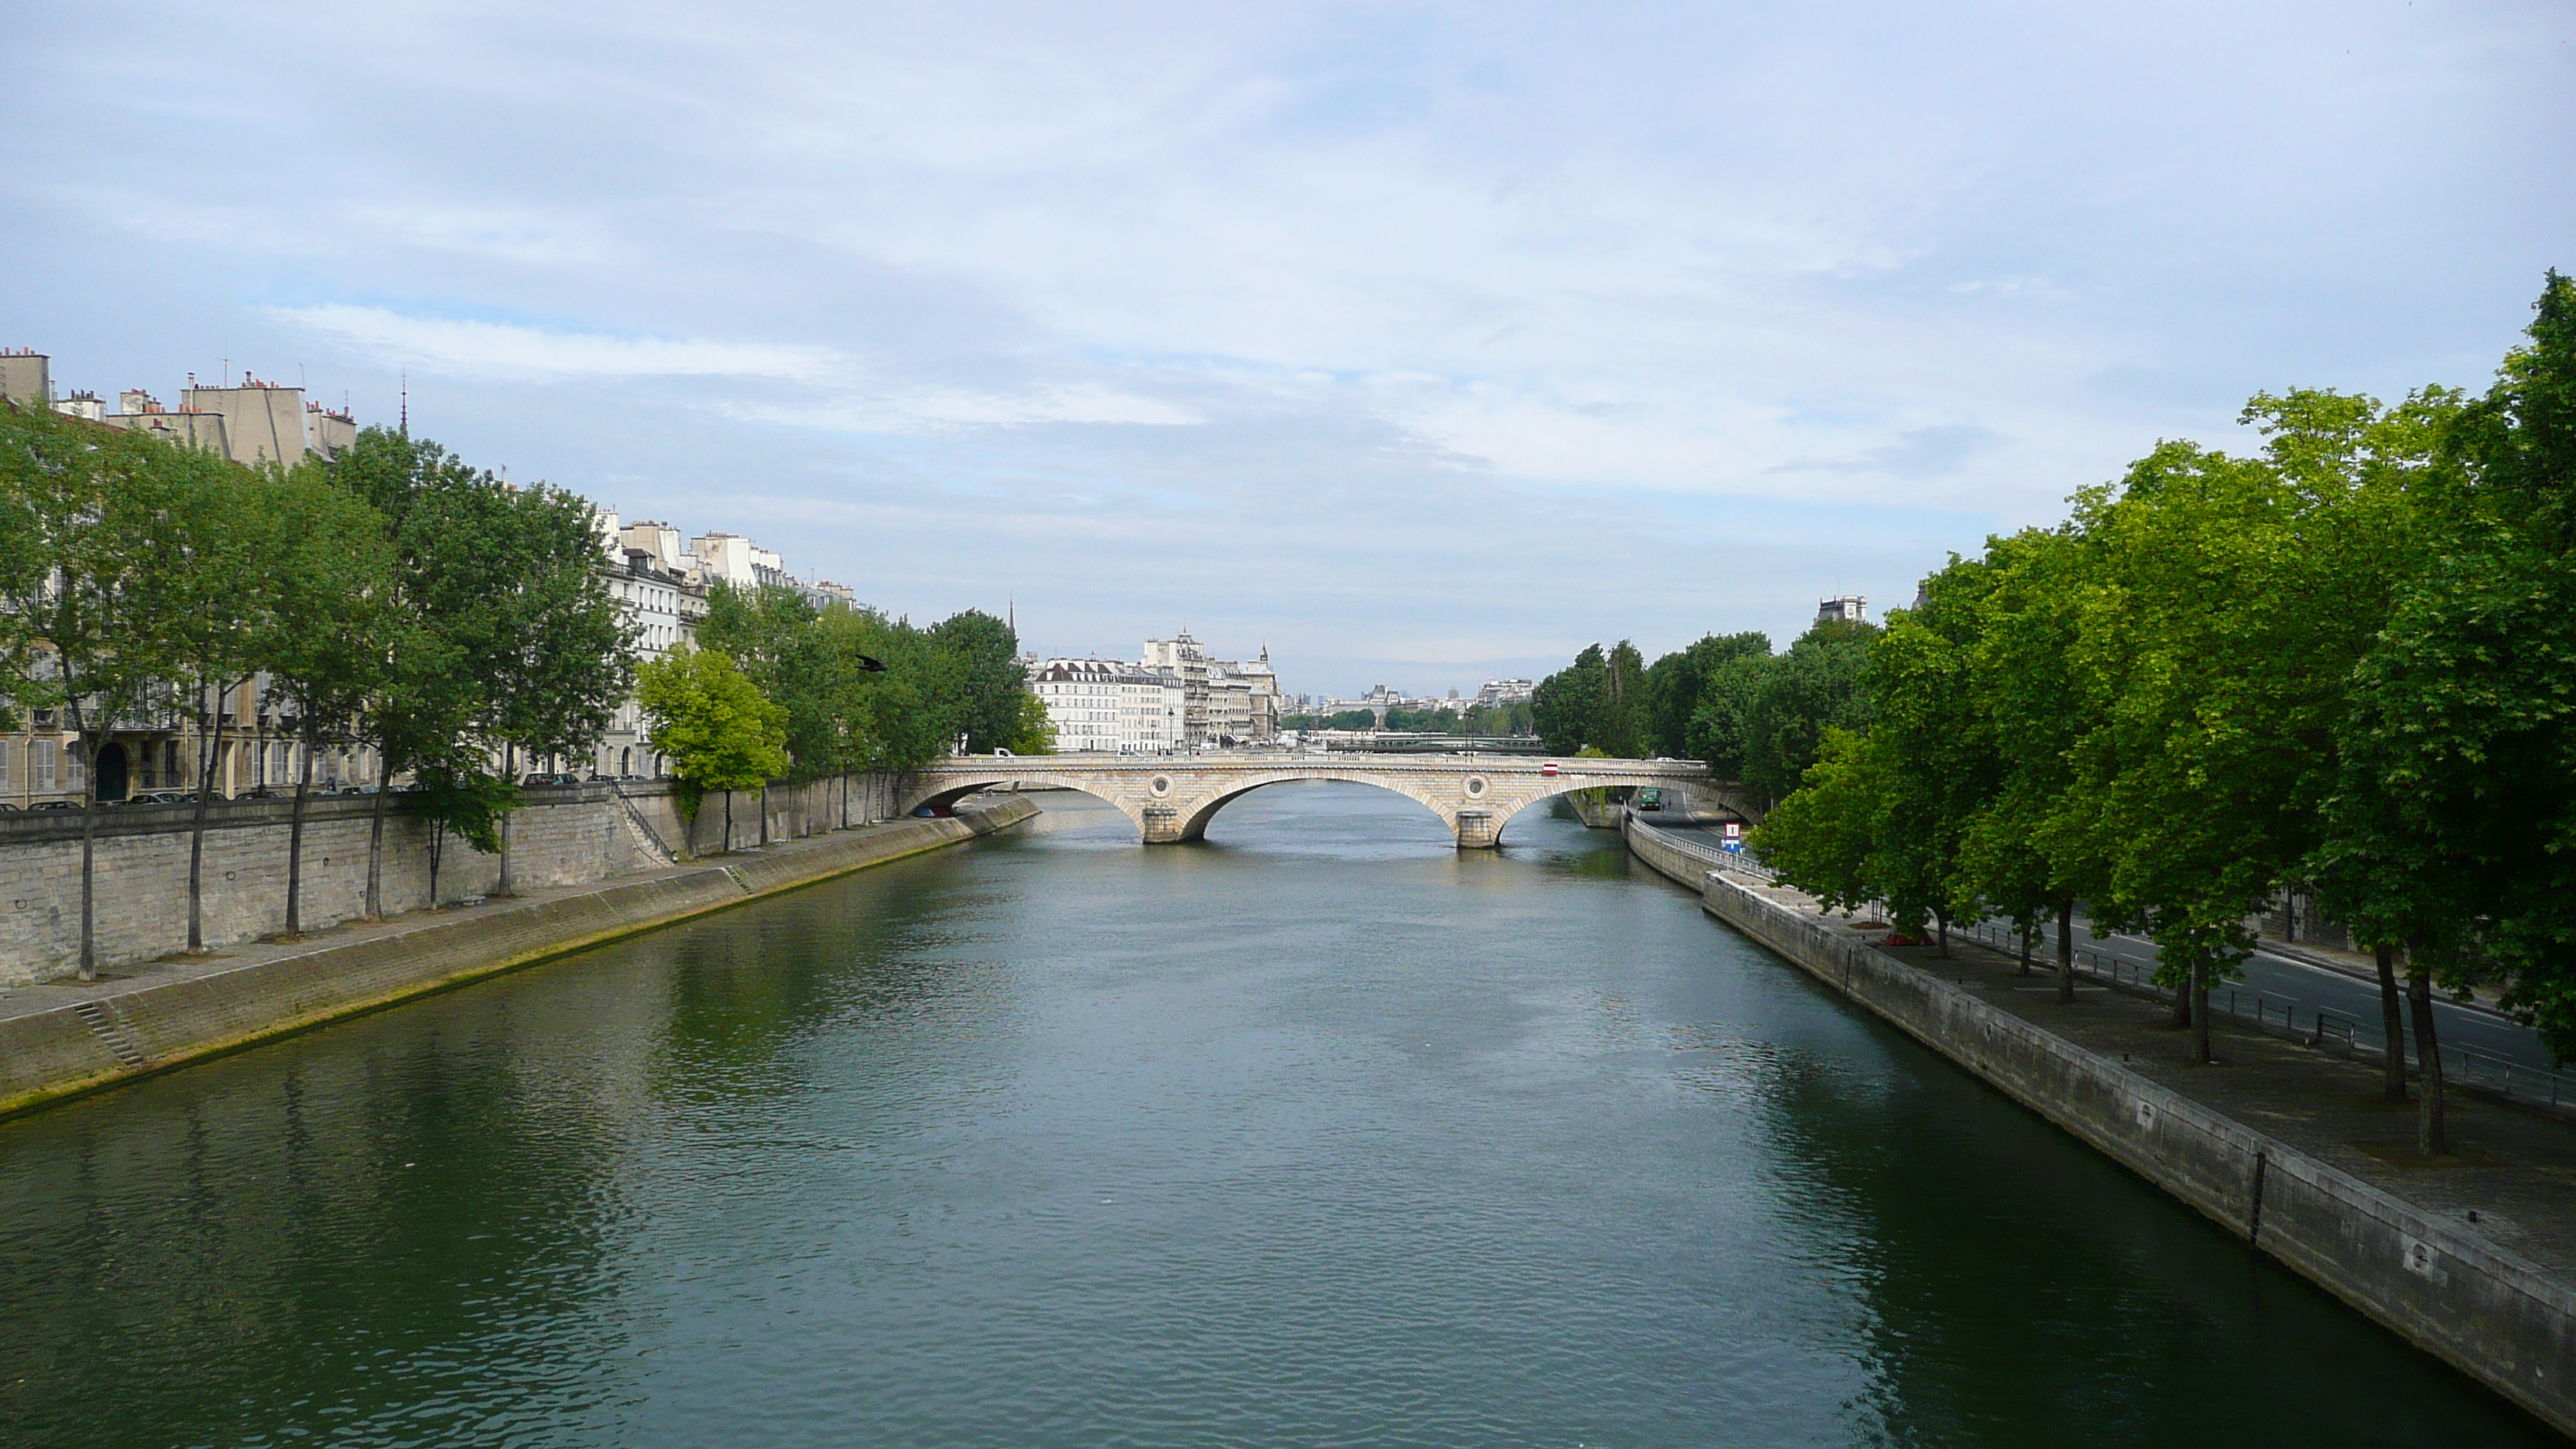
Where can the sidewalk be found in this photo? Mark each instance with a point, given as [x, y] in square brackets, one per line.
[2511, 1175]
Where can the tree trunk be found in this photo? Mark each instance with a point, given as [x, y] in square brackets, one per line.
[728, 835]
[2066, 952]
[2392, 1019]
[764, 814]
[214, 751]
[295, 835]
[89, 858]
[509, 772]
[437, 849]
[2430, 1135]
[2029, 928]
[2200, 1013]
[2182, 1005]
[376, 838]
[1941, 934]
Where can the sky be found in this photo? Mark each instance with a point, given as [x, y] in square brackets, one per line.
[1421, 343]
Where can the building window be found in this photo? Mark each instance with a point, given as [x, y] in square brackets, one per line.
[40, 766]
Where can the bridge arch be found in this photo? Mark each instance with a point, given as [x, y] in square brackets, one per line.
[1194, 824]
[946, 792]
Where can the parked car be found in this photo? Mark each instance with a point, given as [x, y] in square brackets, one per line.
[55, 805]
[565, 777]
[5, 805]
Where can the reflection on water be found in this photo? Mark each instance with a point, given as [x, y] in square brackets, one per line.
[1318, 1132]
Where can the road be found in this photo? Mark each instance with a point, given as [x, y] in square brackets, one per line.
[2279, 978]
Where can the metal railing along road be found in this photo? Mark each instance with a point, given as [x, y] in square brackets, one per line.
[2325, 1028]
[1717, 857]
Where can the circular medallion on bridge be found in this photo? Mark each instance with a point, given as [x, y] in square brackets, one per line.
[1475, 787]
[1162, 784]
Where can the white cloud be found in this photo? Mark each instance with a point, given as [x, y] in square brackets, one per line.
[469, 347]
[1505, 321]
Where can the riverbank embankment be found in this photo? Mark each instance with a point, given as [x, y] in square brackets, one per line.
[561, 835]
[2468, 1256]
[62, 1038]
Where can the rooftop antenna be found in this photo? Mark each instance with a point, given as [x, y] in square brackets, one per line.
[406, 402]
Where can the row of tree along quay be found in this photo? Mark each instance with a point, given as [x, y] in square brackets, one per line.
[399, 598]
[2338, 663]
[1477, 721]
[780, 690]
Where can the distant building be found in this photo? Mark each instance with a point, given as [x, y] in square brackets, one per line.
[1506, 691]
[1851, 608]
[1242, 702]
[138, 411]
[26, 377]
[1107, 706]
[732, 559]
[658, 588]
[1181, 655]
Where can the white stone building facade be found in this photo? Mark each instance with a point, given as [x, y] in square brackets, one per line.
[1109, 707]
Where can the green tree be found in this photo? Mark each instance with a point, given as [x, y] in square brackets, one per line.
[774, 634]
[719, 731]
[1675, 682]
[988, 679]
[899, 716]
[334, 580]
[560, 655]
[1762, 718]
[1567, 706]
[2233, 598]
[1938, 763]
[1349, 719]
[221, 589]
[100, 505]
[426, 715]
[1821, 838]
[467, 803]
[1036, 734]
[2453, 803]
[2023, 853]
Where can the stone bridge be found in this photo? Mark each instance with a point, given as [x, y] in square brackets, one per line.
[1173, 799]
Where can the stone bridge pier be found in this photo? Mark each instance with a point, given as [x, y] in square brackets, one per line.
[1172, 800]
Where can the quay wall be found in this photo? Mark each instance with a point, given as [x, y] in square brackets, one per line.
[565, 835]
[108, 1038]
[2491, 1313]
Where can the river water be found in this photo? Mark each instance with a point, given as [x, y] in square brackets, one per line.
[1316, 1133]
